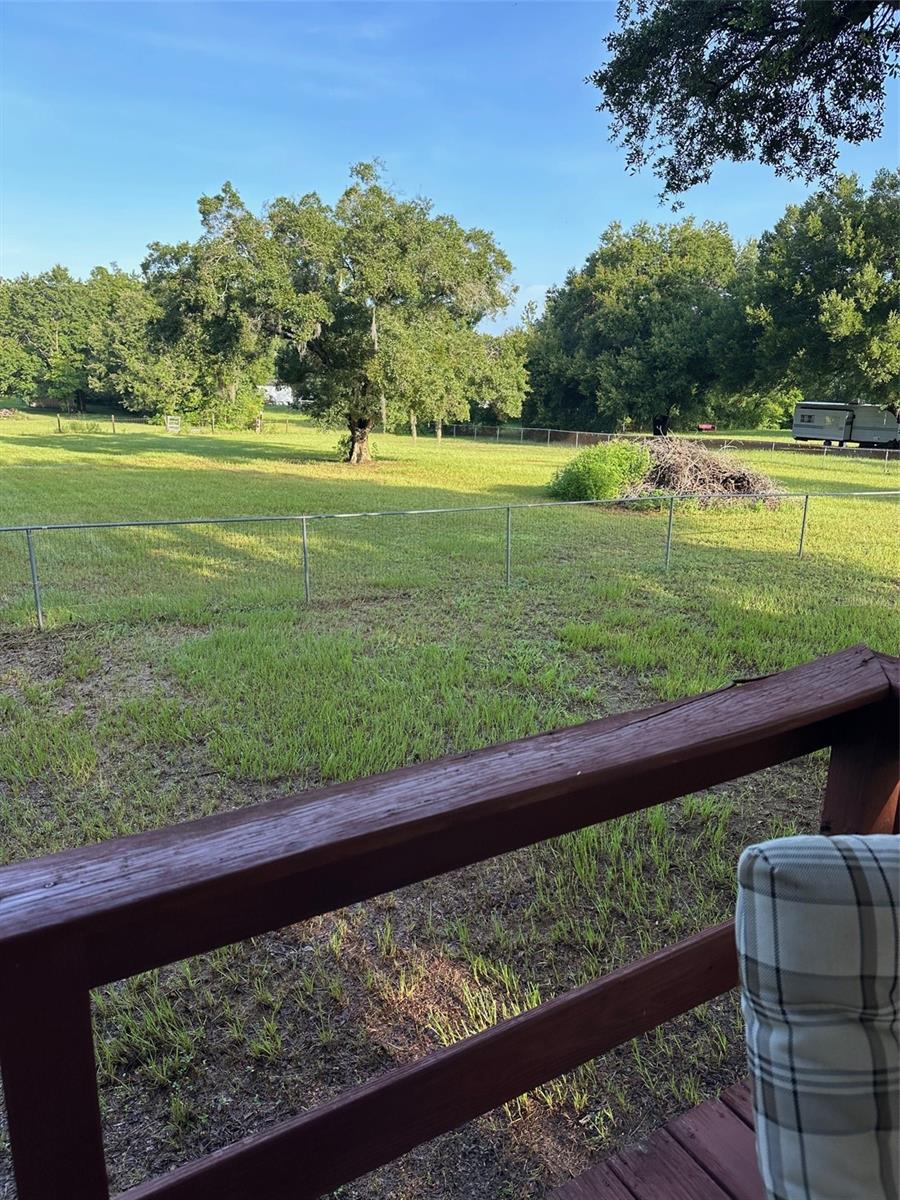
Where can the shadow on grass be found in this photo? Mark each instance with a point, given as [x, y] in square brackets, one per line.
[217, 449]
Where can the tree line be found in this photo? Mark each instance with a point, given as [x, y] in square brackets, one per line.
[679, 321]
[371, 310]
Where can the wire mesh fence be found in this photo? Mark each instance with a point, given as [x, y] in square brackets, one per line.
[533, 435]
[193, 568]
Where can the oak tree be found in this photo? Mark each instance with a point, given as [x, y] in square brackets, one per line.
[689, 82]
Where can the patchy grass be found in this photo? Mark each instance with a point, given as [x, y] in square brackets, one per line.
[192, 678]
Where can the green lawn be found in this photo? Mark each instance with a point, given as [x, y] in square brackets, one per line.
[182, 672]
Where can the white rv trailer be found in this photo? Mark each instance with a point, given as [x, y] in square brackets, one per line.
[865, 424]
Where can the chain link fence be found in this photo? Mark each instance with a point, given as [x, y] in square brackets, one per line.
[50, 574]
[529, 435]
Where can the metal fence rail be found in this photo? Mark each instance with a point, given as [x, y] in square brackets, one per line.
[293, 559]
[538, 435]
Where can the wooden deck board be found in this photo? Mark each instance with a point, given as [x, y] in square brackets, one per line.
[659, 1169]
[708, 1153]
[740, 1101]
[723, 1145]
[600, 1183]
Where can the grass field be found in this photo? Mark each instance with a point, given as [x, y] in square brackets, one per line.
[182, 672]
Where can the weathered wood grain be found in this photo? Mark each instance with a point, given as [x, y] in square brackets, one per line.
[660, 1170]
[716, 1137]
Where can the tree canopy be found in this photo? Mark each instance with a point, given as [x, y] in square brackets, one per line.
[400, 294]
[689, 82]
[371, 309]
[640, 333]
[369, 306]
[828, 294]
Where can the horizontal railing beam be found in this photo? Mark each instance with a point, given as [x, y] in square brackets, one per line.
[312, 1154]
[142, 901]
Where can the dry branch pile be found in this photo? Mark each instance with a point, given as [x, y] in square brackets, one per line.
[685, 467]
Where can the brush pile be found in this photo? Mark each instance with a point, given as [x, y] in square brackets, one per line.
[687, 468]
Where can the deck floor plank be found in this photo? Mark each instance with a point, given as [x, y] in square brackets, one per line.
[708, 1153]
[659, 1169]
[723, 1145]
[599, 1183]
[740, 1100]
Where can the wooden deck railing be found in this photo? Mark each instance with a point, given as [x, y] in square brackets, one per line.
[73, 921]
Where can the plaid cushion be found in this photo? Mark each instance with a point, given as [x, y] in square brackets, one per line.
[818, 942]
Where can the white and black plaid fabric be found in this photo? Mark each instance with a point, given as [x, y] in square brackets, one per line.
[818, 942]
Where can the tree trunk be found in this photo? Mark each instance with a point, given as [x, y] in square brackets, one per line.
[413, 427]
[439, 429]
[359, 442]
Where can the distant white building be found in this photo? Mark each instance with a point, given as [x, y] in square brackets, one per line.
[276, 394]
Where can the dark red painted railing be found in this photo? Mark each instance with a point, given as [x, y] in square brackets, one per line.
[73, 921]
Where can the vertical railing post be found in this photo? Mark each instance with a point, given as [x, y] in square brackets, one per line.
[305, 560]
[576, 439]
[498, 433]
[474, 431]
[508, 545]
[521, 433]
[548, 437]
[803, 527]
[35, 582]
[50, 1074]
[862, 792]
[669, 531]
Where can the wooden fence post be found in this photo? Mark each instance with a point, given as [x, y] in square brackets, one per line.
[50, 1074]
[862, 792]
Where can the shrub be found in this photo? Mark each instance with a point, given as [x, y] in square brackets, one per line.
[601, 472]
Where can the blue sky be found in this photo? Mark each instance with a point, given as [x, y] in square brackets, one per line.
[117, 116]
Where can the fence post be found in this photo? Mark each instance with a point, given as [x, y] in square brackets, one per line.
[548, 437]
[50, 1074]
[498, 433]
[35, 584]
[669, 531]
[305, 560]
[508, 545]
[474, 431]
[521, 433]
[576, 439]
[803, 527]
